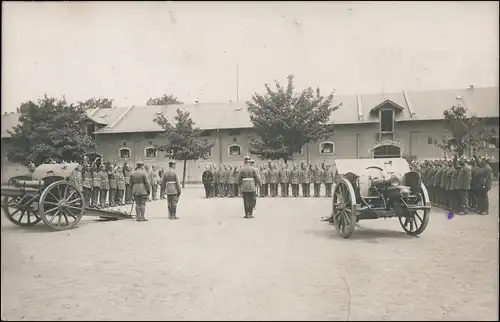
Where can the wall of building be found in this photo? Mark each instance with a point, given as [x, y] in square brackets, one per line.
[351, 141]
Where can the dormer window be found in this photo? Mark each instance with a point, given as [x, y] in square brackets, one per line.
[387, 120]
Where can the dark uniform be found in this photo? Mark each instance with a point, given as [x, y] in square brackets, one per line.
[221, 175]
[437, 185]
[484, 178]
[462, 185]
[294, 180]
[248, 180]
[236, 175]
[141, 188]
[173, 191]
[207, 179]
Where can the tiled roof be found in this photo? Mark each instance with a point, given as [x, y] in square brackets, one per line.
[9, 120]
[425, 105]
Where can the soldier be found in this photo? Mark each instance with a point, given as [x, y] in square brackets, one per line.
[316, 180]
[294, 180]
[305, 180]
[173, 190]
[148, 173]
[429, 181]
[283, 179]
[273, 180]
[96, 184]
[216, 181]
[76, 178]
[483, 186]
[264, 182]
[160, 180]
[207, 179]
[103, 175]
[127, 170]
[448, 173]
[437, 183]
[221, 175]
[230, 181]
[257, 168]
[112, 185]
[473, 205]
[141, 189]
[121, 186]
[213, 170]
[236, 175]
[153, 176]
[328, 177]
[462, 185]
[248, 180]
[87, 185]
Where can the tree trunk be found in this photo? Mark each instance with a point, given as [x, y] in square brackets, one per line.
[184, 174]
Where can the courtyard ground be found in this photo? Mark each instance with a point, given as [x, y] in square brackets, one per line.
[283, 265]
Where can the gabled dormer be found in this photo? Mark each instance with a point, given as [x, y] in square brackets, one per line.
[386, 112]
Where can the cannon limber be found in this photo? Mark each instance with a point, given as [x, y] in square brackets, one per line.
[49, 195]
[379, 188]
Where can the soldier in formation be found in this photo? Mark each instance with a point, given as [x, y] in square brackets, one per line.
[207, 178]
[248, 179]
[173, 189]
[141, 189]
[459, 185]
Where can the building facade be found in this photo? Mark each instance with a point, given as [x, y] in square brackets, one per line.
[366, 126]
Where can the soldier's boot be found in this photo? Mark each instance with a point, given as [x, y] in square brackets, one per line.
[174, 208]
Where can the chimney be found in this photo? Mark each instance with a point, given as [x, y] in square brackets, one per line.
[471, 86]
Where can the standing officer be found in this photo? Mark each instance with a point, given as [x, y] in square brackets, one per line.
[265, 185]
[294, 180]
[283, 179]
[207, 179]
[248, 179]
[316, 180]
[141, 188]
[153, 175]
[103, 175]
[221, 175]
[236, 175]
[328, 177]
[273, 180]
[173, 190]
[112, 186]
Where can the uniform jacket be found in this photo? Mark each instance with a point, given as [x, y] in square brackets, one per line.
[161, 173]
[112, 180]
[236, 174]
[216, 176]
[305, 176]
[264, 176]
[463, 178]
[230, 176]
[272, 176]
[221, 175]
[328, 176]
[140, 183]
[120, 180]
[126, 176]
[316, 175]
[103, 175]
[96, 179]
[294, 176]
[248, 179]
[448, 175]
[429, 178]
[87, 179]
[443, 177]
[453, 180]
[154, 178]
[283, 176]
[171, 180]
[207, 177]
[437, 178]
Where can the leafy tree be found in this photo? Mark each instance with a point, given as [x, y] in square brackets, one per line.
[285, 120]
[49, 128]
[467, 133]
[93, 102]
[183, 140]
[164, 100]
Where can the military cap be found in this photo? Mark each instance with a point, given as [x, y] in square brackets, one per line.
[171, 162]
[139, 163]
[246, 158]
[251, 161]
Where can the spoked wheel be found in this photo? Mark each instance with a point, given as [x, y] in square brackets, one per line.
[415, 222]
[61, 206]
[344, 208]
[19, 210]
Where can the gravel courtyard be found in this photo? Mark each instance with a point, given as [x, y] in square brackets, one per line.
[285, 264]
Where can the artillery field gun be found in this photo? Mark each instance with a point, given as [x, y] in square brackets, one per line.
[49, 196]
[379, 188]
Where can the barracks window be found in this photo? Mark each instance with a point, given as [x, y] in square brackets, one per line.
[387, 120]
[124, 153]
[234, 150]
[150, 153]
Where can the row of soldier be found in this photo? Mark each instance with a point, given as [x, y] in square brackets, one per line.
[458, 185]
[109, 185]
[223, 182]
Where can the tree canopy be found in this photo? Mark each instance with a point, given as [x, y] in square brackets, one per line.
[466, 132]
[93, 102]
[49, 128]
[183, 139]
[165, 99]
[286, 120]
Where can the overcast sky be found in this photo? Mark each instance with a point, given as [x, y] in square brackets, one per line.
[131, 51]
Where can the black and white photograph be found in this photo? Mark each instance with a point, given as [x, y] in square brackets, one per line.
[250, 161]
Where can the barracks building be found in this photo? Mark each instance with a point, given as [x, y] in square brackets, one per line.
[366, 126]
